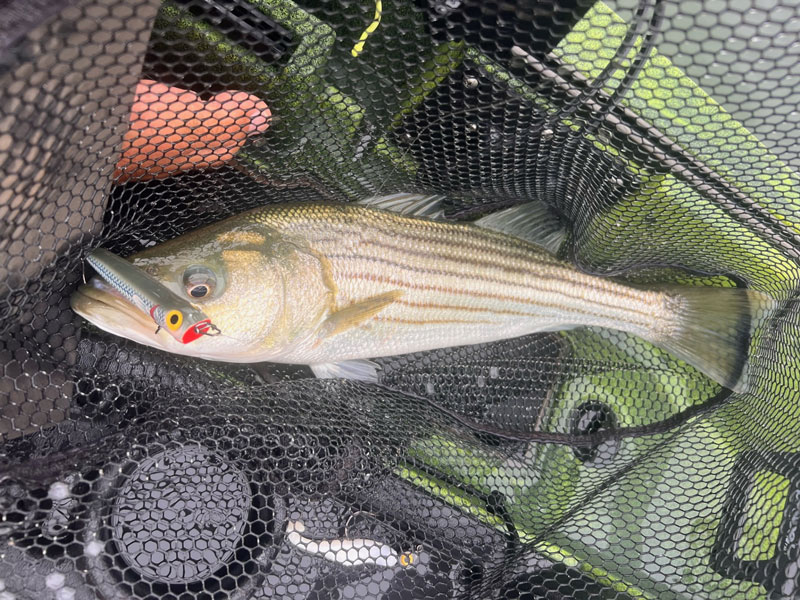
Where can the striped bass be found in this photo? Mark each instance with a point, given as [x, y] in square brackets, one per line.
[323, 284]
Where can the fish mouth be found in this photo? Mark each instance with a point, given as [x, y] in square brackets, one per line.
[104, 307]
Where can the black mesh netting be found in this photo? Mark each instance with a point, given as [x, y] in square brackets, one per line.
[662, 134]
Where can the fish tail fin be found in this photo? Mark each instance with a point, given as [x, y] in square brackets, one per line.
[714, 329]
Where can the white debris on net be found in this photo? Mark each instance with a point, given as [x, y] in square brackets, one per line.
[7, 596]
[350, 552]
[93, 548]
[55, 580]
[58, 491]
[65, 593]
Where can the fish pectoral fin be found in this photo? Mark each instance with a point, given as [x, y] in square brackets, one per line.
[356, 314]
[355, 370]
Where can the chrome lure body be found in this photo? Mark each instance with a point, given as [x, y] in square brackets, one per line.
[169, 312]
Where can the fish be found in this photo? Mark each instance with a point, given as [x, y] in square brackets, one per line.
[335, 285]
[184, 322]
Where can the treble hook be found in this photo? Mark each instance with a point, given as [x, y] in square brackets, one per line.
[207, 329]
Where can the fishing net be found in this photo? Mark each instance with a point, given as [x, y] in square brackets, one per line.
[662, 134]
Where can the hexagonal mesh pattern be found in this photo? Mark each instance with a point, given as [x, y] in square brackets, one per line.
[583, 464]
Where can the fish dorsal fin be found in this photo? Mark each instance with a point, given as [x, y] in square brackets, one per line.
[533, 222]
[413, 205]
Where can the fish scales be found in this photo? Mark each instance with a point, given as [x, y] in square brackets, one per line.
[460, 283]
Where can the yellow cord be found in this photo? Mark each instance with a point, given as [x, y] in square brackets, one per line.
[376, 20]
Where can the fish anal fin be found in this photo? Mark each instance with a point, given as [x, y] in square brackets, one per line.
[356, 314]
[354, 370]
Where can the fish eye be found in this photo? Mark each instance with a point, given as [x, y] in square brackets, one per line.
[174, 319]
[199, 282]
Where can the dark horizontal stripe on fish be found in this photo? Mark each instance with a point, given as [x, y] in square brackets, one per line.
[458, 307]
[460, 260]
[461, 292]
[647, 313]
[435, 232]
[528, 257]
[432, 321]
[488, 237]
[488, 241]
